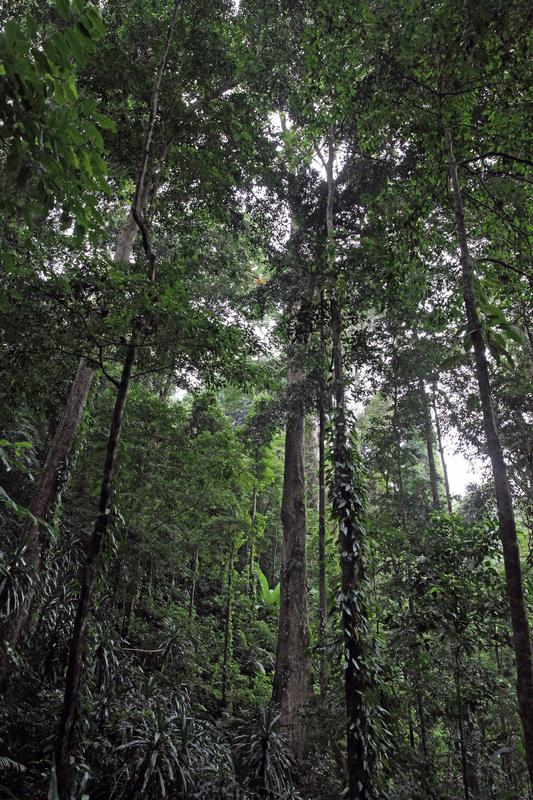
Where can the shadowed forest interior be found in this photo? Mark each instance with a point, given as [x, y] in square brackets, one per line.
[266, 281]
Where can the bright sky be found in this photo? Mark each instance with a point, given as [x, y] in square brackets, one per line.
[461, 472]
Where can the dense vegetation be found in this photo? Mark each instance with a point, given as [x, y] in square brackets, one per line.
[261, 264]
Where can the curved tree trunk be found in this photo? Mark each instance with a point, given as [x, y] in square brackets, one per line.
[63, 744]
[72, 681]
[49, 481]
[507, 524]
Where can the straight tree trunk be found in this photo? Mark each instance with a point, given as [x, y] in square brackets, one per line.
[507, 524]
[428, 427]
[467, 768]
[352, 609]
[348, 508]
[441, 452]
[251, 543]
[228, 633]
[322, 597]
[196, 566]
[292, 689]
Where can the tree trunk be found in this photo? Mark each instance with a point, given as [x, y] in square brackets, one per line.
[195, 570]
[322, 601]
[353, 612]
[507, 524]
[251, 543]
[428, 427]
[441, 452]
[79, 635]
[292, 689]
[48, 485]
[461, 725]
[348, 509]
[46, 493]
[228, 633]
[63, 744]
[132, 591]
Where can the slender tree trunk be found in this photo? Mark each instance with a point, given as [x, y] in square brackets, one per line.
[428, 427]
[322, 597]
[507, 524]
[132, 591]
[228, 632]
[422, 721]
[353, 612]
[462, 738]
[349, 511]
[74, 667]
[411, 731]
[441, 452]
[251, 543]
[292, 689]
[63, 744]
[196, 564]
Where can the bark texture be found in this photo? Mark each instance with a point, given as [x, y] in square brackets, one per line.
[293, 688]
[506, 519]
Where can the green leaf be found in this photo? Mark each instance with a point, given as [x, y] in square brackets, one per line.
[63, 8]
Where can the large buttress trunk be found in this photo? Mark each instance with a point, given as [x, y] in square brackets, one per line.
[506, 519]
[292, 688]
